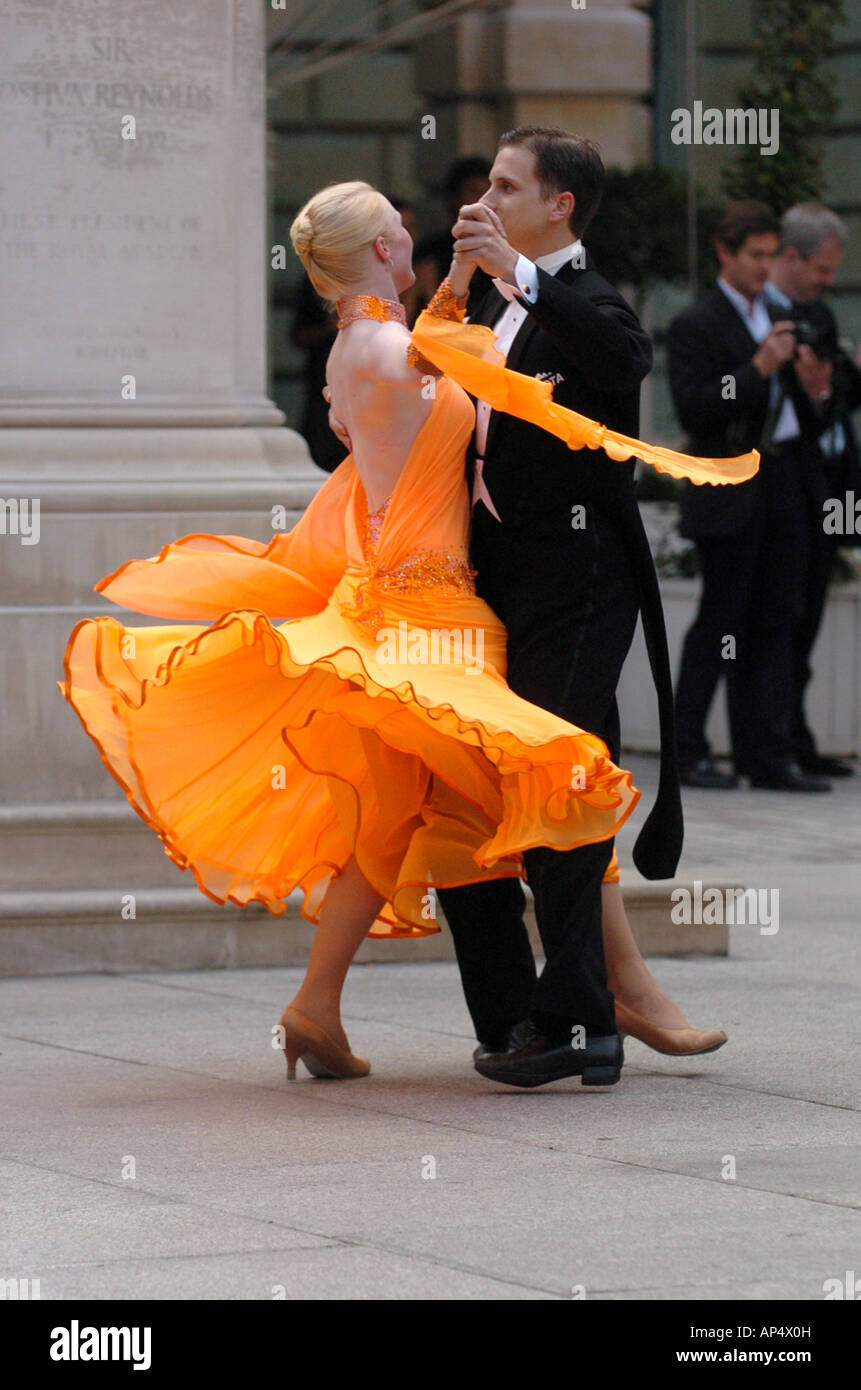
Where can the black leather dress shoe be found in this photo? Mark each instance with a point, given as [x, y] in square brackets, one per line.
[819, 766]
[789, 778]
[531, 1059]
[703, 773]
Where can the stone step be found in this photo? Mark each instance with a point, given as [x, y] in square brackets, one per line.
[71, 557]
[36, 718]
[49, 932]
[111, 495]
[83, 845]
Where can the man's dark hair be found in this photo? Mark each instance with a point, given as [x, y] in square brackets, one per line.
[742, 219]
[564, 163]
[471, 166]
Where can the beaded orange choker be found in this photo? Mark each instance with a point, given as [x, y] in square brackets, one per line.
[368, 306]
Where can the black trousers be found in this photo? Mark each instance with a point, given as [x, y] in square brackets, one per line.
[747, 628]
[568, 600]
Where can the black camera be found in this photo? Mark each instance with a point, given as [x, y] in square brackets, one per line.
[811, 329]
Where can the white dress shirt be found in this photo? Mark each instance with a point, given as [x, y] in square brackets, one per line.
[757, 321]
[833, 441]
[506, 329]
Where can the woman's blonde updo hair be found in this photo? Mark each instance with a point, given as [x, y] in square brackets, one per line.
[330, 232]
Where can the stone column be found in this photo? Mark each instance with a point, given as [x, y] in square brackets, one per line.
[585, 67]
[133, 384]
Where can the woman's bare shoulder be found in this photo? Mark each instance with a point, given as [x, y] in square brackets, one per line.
[382, 356]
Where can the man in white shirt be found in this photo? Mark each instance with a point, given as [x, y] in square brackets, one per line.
[523, 291]
[563, 559]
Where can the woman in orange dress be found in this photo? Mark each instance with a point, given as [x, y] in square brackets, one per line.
[328, 711]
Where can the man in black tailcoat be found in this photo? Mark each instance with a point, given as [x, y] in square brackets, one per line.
[563, 560]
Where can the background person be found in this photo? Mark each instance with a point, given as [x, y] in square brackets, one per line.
[812, 240]
[725, 357]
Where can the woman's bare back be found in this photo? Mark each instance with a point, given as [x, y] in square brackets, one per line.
[377, 395]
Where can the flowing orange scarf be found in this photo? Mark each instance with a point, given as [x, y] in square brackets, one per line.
[467, 353]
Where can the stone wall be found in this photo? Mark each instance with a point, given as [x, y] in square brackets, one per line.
[612, 69]
[501, 65]
[357, 121]
[133, 405]
[724, 31]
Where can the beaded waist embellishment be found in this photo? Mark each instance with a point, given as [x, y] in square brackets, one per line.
[446, 572]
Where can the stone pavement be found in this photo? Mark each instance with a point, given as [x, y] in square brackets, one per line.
[153, 1149]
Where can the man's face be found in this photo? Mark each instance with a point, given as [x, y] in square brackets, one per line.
[747, 268]
[806, 280]
[515, 196]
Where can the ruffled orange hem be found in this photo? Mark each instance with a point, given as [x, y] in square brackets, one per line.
[262, 773]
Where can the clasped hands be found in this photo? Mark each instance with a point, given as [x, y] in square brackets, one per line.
[479, 237]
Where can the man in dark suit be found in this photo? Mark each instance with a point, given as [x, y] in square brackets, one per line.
[812, 240]
[725, 359]
[563, 559]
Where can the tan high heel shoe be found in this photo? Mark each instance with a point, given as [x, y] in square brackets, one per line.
[673, 1042]
[321, 1054]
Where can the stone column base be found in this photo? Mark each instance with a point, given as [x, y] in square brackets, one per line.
[104, 497]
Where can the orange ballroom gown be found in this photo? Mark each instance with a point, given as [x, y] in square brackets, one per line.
[340, 691]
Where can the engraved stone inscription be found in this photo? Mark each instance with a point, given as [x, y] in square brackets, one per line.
[116, 227]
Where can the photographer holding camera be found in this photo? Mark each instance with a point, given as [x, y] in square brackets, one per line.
[811, 247]
[736, 386]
